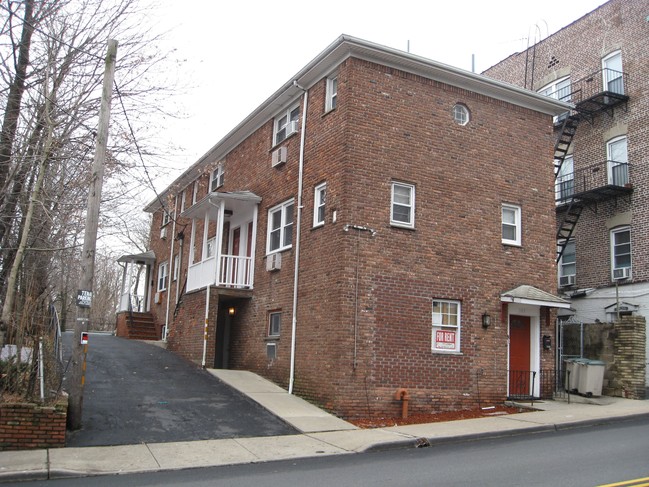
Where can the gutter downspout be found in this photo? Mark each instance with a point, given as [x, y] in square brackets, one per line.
[171, 269]
[207, 314]
[297, 237]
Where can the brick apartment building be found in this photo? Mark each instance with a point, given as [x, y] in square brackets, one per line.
[382, 222]
[600, 64]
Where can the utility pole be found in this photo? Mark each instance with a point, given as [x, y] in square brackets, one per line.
[84, 294]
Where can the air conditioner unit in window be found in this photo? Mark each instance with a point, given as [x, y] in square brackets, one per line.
[291, 128]
[163, 233]
[567, 281]
[621, 273]
[279, 156]
[274, 262]
[156, 298]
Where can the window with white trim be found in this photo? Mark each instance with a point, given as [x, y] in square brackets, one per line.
[332, 93]
[446, 326]
[176, 267]
[621, 253]
[280, 227]
[274, 323]
[564, 186]
[461, 114]
[195, 193]
[612, 73]
[617, 161]
[568, 265]
[163, 274]
[402, 212]
[286, 124]
[183, 200]
[210, 250]
[217, 177]
[558, 89]
[511, 224]
[319, 200]
[166, 217]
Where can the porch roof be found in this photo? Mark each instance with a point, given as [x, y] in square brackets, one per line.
[234, 200]
[526, 294]
[147, 257]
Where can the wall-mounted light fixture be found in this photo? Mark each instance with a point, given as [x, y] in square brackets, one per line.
[232, 311]
[486, 320]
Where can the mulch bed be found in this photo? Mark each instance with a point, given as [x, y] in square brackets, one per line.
[383, 422]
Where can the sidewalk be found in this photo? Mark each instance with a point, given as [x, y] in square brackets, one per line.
[322, 434]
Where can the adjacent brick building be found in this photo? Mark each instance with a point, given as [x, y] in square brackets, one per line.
[381, 222]
[600, 64]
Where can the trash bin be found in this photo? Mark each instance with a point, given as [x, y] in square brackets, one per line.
[572, 373]
[591, 377]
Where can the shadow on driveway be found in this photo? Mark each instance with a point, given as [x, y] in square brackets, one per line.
[137, 392]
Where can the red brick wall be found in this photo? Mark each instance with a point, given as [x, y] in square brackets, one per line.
[27, 426]
[577, 51]
[364, 316]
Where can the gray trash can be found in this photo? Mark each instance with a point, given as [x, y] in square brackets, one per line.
[591, 377]
[572, 373]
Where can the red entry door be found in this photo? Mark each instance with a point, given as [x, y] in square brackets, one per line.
[519, 356]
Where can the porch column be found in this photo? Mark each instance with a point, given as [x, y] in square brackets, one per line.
[253, 246]
[122, 304]
[218, 242]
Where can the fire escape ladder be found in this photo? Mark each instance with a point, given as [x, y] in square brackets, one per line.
[567, 226]
[566, 134]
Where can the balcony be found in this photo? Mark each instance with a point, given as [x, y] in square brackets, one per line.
[600, 91]
[227, 241]
[597, 182]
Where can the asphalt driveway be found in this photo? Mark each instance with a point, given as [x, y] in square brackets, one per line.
[137, 392]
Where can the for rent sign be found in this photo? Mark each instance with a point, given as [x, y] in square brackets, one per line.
[445, 339]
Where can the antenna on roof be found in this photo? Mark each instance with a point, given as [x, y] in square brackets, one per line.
[408, 46]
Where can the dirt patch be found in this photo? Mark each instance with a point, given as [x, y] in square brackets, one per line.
[383, 422]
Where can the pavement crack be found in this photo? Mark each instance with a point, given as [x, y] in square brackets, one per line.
[153, 455]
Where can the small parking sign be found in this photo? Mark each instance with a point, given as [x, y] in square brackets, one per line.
[84, 298]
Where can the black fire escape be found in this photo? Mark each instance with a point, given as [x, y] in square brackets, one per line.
[597, 93]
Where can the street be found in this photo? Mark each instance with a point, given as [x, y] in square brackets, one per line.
[588, 456]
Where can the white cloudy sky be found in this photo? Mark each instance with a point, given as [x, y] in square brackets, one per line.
[239, 52]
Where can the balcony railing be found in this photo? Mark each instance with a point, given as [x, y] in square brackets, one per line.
[235, 272]
[598, 181]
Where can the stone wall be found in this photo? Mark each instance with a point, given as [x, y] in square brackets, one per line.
[29, 426]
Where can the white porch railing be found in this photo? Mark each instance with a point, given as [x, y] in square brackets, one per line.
[131, 302]
[236, 271]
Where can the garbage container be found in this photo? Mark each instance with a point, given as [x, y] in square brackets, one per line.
[572, 373]
[591, 377]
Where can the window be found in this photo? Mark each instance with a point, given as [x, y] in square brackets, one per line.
[319, 198]
[195, 193]
[274, 324]
[568, 265]
[565, 182]
[280, 227]
[617, 161]
[558, 89]
[183, 200]
[286, 124]
[403, 205]
[511, 225]
[612, 72]
[332, 93]
[176, 273]
[621, 252]
[461, 114]
[166, 218]
[446, 326]
[216, 178]
[163, 272]
[210, 251]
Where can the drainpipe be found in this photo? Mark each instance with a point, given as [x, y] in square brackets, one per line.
[297, 238]
[171, 269]
[207, 314]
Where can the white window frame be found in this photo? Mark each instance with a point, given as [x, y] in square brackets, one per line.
[285, 228]
[176, 270]
[331, 99]
[610, 75]
[277, 315]
[614, 246]
[281, 124]
[559, 89]
[319, 202]
[195, 193]
[461, 114]
[409, 205]
[210, 248]
[446, 326]
[563, 264]
[183, 200]
[166, 217]
[163, 274]
[516, 224]
[565, 182]
[613, 163]
[217, 177]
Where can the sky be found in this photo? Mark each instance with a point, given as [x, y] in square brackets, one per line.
[236, 54]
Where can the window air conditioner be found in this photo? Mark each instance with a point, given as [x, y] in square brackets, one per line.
[291, 128]
[567, 281]
[156, 298]
[621, 273]
[163, 233]
[279, 156]
[274, 262]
